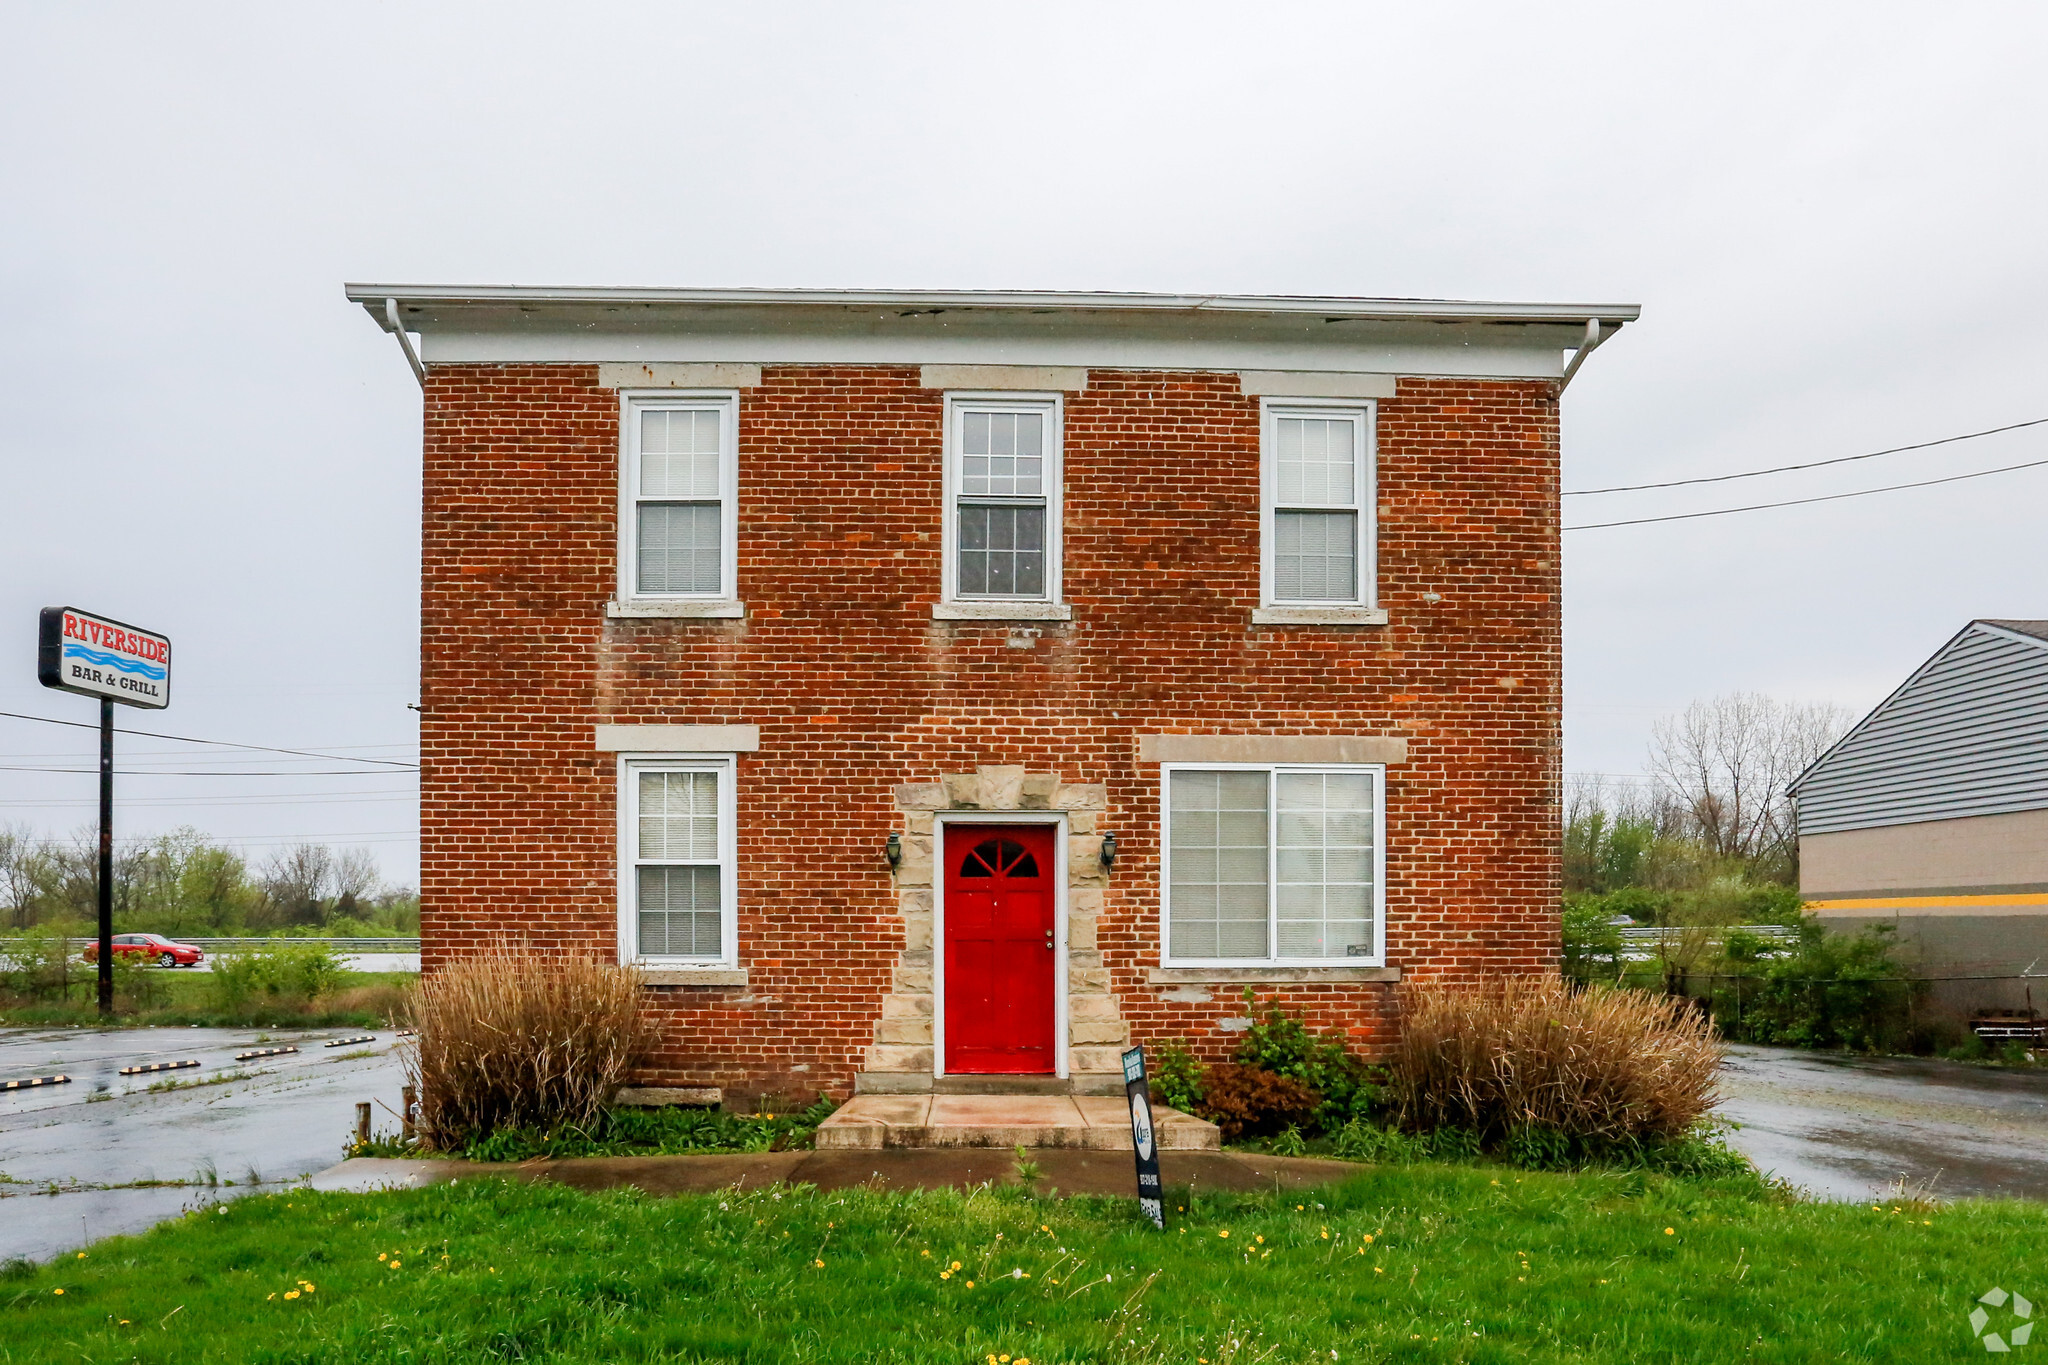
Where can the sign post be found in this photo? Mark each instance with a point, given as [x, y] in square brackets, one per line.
[1144, 1141]
[93, 656]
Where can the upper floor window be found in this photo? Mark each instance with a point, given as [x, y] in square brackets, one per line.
[677, 507]
[1273, 863]
[1002, 500]
[1317, 509]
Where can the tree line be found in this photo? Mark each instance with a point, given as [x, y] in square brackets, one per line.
[186, 883]
[1710, 834]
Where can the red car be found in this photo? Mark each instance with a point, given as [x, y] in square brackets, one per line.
[149, 945]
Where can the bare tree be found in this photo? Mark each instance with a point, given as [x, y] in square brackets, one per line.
[355, 880]
[23, 872]
[1725, 764]
[296, 882]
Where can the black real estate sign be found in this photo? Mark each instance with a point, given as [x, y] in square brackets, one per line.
[1144, 1141]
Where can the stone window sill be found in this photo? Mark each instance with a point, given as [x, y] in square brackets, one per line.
[1002, 611]
[701, 611]
[1257, 976]
[656, 975]
[1320, 616]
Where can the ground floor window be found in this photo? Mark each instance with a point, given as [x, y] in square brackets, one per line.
[676, 863]
[1272, 864]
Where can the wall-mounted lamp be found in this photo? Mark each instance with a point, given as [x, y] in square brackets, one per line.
[1108, 851]
[893, 850]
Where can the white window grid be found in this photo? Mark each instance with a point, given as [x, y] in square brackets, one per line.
[1377, 774]
[964, 486]
[1360, 501]
[721, 768]
[686, 487]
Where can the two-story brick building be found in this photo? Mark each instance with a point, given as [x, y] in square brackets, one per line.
[924, 686]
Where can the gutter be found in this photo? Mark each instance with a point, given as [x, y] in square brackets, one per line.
[412, 357]
[1594, 339]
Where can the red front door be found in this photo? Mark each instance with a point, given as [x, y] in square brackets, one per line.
[999, 949]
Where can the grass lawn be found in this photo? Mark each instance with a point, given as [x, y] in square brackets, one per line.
[1428, 1262]
[363, 1000]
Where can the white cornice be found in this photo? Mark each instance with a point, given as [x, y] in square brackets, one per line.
[509, 325]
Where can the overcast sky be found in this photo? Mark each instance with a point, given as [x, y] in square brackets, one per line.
[1831, 215]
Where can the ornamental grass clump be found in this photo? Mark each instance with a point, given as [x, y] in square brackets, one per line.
[510, 1039]
[1601, 1067]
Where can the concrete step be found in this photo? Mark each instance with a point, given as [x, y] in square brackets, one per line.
[924, 1083]
[1094, 1122]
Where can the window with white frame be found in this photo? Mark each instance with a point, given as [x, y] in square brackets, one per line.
[1002, 499]
[677, 519]
[1318, 526]
[676, 861]
[1273, 864]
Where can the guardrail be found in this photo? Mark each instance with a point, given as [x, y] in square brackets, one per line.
[340, 945]
[237, 945]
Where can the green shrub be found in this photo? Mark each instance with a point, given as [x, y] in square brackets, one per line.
[1833, 991]
[1346, 1088]
[38, 964]
[1175, 1076]
[1592, 941]
[287, 971]
[655, 1132]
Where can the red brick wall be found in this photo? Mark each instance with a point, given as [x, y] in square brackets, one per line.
[856, 688]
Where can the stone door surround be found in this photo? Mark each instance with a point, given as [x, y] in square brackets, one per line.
[900, 1061]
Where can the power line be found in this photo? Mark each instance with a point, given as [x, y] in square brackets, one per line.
[179, 772]
[1797, 502]
[1787, 468]
[223, 743]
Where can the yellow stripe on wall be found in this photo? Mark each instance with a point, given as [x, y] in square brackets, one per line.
[1910, 902]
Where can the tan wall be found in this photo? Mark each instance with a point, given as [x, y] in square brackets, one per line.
[1982, 854]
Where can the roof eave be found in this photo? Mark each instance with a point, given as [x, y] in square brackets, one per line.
[372, 297]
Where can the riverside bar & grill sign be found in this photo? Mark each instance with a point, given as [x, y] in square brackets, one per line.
[94, 656]
[91, 655]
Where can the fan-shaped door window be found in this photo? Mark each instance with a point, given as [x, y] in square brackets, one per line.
[999, 858]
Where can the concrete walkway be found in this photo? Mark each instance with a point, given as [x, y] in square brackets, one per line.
[1098, 1123]
[1062, 1171]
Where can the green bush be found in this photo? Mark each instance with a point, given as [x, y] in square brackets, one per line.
[1175, 1076]
[1346, 1088]
[1834, 991]
[654, 1132]
[286, 971]
[39, 964]
[1592, 942]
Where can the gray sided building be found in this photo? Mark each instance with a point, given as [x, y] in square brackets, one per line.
[1932, 815]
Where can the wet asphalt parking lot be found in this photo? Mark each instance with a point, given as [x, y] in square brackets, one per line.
[1840, 1128]
[1855, 1128]
[98, 1140]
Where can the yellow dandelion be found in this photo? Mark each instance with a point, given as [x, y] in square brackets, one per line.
[383, 1255]
[309, 1289]
[1224, 1233]
[1043, 1228]
[1298, 1208]
[1368, 1237]
[945, 1274]
[956, 1265]
[1379, 1270]
[970, 1284]
[394, 1265]
[926, 1252]
[1670, 1232]
[492, 1271]
[124, 1322]
[56, 1291]
[81, 1255]
[291, 1293]
[270, 1296]
[818, 1265]
[1260, 1240]
[1004, 1358]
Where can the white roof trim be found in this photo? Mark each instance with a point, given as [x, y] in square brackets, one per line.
[372, 297]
